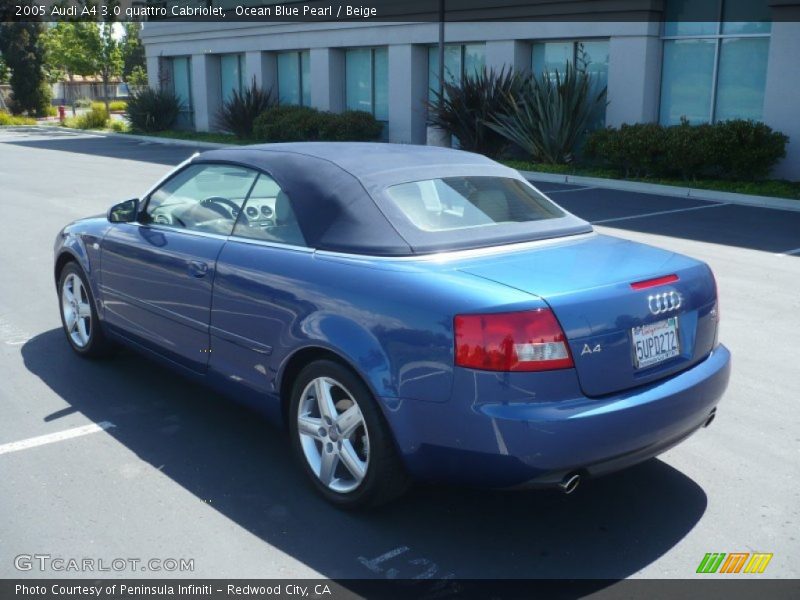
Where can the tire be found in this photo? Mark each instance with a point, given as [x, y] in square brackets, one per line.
[352, 447]
[84, 333]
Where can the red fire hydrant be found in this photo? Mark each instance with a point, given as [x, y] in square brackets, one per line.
[62, 112]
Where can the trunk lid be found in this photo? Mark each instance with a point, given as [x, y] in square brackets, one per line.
[587, 283]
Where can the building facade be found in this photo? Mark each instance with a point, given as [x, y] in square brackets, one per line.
[656, 69]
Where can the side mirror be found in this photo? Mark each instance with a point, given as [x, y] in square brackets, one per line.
[124, 212]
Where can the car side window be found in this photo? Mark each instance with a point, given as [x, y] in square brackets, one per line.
[202, 197]
[268, 215]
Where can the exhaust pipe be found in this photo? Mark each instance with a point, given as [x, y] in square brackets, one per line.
[570, 483]
[710, 418]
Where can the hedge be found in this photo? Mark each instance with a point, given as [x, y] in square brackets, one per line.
[302, 123]
[738, 149]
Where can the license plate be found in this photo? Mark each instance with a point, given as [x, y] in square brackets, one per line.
[655, 343]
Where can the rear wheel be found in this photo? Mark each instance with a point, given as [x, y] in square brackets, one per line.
[78, 314]
[341, 438]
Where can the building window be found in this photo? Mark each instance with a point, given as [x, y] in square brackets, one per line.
[714, 70]
[231, 69]
[294, 78]
[588, 56]
[459, 60]
[367, 81]
[180, 84]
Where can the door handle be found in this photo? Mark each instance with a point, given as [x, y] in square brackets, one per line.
[197, 268]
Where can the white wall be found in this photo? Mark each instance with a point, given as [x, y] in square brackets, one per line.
[633, 80]
[507, 44]
[408, 93]
[326, 66]
[206, 90]
[782, 93]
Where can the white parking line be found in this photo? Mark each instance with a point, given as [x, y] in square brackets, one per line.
[577, 189]
[661, 212]
[788, 252]
[55, 437]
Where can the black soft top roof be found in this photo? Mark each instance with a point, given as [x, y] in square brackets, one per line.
[337, 190]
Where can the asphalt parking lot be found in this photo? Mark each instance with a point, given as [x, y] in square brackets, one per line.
[175, 471]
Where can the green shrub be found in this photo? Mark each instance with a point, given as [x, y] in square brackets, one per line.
[113, 105]
[7, 119]
[463, 110]
[82, 103]
[637, 150]
[741, 150]
[349, 126]
[93, 119]
[747, 150]
[288, 124]
[238, 115]
[118, 126]
[152, 110]
[301, 124]
[551, 114]
[689, 151]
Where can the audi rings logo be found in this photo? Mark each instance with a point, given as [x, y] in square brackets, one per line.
[660, 304]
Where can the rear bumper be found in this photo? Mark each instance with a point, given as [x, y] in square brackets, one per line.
[528, 430]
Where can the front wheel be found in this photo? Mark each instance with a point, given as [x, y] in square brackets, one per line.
[79, 315]
[341, 438]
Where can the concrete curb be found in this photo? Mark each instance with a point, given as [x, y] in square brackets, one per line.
[171, 141]
[150, 138]
[667, 190]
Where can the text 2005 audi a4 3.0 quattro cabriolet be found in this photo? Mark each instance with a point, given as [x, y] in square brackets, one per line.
[409, 313]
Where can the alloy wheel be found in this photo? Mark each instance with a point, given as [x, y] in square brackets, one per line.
[333, 435]
[77, 310]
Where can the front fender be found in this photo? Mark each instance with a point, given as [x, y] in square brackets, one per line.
[80, 242]
[71, 247]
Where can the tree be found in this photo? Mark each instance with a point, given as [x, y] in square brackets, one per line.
[109, 57]
[85, 48]
[4, 73]
[24, 54]
[133, 60]
[68, 50]
[137, 78]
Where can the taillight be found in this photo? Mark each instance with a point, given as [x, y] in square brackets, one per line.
[716, 294]
[519, 341]
[715, 309]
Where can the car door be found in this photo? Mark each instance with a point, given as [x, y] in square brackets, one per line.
[158, 273]
[257, 291]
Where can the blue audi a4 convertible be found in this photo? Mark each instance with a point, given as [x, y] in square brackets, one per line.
[408, 312]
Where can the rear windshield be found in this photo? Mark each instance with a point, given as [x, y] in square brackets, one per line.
[454, 203]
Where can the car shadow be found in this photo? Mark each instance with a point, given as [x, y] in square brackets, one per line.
[220, 452]
[112, 147]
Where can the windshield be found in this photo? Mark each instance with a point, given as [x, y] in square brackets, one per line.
[453, 203]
